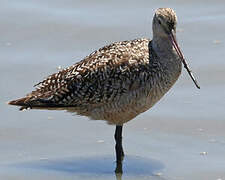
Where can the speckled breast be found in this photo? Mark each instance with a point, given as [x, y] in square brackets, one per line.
[140, 100]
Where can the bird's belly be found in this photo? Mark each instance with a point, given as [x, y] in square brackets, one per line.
[127, 107]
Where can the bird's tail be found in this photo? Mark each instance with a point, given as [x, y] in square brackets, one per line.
[36, 103]
[19, 102]
[23, 102]
[28, 103]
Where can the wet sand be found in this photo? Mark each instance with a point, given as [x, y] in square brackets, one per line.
[180, 138]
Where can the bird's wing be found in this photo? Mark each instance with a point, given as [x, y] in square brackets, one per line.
[103, 75]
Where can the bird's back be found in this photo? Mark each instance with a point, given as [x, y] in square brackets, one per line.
[114, 83]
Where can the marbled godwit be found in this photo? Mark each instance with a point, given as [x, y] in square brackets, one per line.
[118, 81]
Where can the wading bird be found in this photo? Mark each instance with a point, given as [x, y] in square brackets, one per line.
[117, 82]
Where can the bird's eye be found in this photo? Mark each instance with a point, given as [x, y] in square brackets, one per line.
[159, 22]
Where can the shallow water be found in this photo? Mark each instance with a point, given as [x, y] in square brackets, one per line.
[182, 137]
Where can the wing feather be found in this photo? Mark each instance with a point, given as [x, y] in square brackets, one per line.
[100, 77]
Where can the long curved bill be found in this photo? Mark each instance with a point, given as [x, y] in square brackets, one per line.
[175, 45]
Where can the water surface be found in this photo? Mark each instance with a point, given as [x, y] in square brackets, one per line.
[182, 137]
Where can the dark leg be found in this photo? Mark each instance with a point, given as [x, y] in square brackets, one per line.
[119, 148]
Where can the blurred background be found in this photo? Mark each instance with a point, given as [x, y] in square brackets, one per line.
[181, 137]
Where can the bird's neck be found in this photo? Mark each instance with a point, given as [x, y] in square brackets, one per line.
[162, 46]
[167, 57]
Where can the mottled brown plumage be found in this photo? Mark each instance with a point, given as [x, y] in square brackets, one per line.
[118, 81]
[115, 83]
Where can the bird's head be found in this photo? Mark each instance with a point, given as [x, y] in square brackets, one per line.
[164, 28]
[164, 22]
